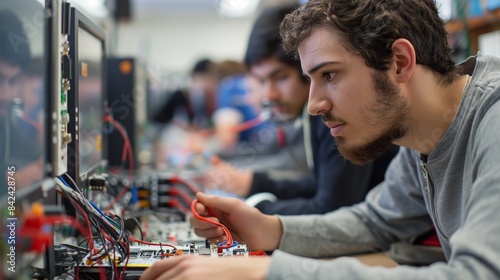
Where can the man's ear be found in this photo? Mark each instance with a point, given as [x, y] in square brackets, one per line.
[404, 59]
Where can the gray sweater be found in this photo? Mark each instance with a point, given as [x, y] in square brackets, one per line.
[456, 189]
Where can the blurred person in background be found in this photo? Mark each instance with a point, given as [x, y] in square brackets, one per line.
[192, 108]
[252, 138]
[20, 136]
[189, 113]
[31, 91]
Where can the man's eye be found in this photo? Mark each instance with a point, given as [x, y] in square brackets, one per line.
[329, 76]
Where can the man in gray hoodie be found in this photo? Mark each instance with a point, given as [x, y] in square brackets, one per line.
[381, 72]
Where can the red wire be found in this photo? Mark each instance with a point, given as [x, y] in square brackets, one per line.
[236, 128]
[38, 126]
[126, 147]
[247, 125]
[102, 273]
[91, 240]
[84, 214]
[229, 242]
[175, 203]
[151, 243]
[107, 237]
[122, 276]
[192, 187]
[116, 268]
[73, 222]
[182, 194]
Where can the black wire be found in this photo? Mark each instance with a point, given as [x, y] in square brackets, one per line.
[96, 237]
[156, 214]
[122, 274]
[122, 232]
[74, 186]
[100, 224]
[138, 225]
[70, 198]
[93, 219]
[78, 248]
[87, 276]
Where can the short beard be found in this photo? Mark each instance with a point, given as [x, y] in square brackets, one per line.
[390, 111]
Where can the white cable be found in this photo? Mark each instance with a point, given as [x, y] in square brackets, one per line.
[84, 201]
[260, 197]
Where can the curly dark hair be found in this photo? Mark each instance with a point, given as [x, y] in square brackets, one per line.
[370, 27]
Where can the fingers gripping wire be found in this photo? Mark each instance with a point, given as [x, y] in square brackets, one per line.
[230, 241]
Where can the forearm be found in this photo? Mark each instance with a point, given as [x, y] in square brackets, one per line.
[334, 234]
[286, 266]
[356, 229]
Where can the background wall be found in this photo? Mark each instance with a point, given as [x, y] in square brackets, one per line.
[170, 35]
[174, 43]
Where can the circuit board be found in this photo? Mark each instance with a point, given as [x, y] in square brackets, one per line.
[146, 255]
[143, 256]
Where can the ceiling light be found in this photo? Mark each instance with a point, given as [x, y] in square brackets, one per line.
[237, 8]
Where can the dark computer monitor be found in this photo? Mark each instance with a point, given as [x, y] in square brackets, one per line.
[127, 96]
[86, 153]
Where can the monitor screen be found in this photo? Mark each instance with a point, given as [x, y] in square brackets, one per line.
[90, 99]
[22, 95]
[86, 97]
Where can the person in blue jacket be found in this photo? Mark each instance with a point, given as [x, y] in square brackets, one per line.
[332, 182]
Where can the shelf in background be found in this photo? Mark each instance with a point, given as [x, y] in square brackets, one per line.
[488, 19]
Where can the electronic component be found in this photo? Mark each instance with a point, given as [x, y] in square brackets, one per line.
[157, 192]
[143, 256]
[59, 75]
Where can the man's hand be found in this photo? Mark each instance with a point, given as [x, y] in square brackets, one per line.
[249, 225]
[197, 267]
[228, 178]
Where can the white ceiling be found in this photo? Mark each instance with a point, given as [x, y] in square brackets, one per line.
[173, 7]
[188, 8]
[172, 34]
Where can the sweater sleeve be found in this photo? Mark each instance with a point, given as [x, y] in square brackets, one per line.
[287, 266]
[393, 211]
